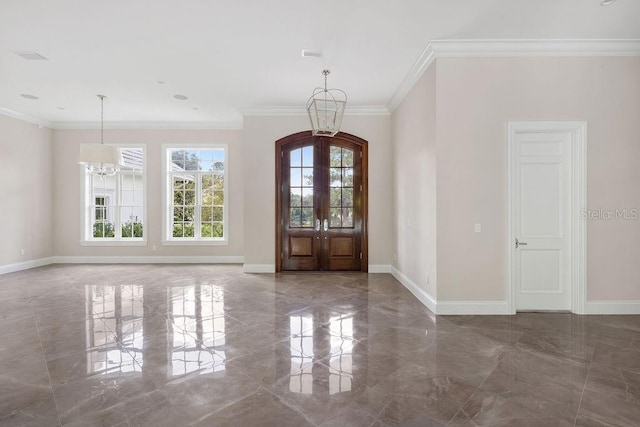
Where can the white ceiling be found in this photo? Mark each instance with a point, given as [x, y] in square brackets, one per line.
[234, 54]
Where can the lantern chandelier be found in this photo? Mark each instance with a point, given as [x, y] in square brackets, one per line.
[326, 108]
[100, 159]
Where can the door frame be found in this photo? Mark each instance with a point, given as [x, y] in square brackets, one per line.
[578, 132]
[279, 145]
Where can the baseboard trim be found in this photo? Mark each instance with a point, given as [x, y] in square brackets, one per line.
[416, 290]
[259, 268]
[147, 260]
[613, 307]
[379, 268]
[473, 308]
[26, 265]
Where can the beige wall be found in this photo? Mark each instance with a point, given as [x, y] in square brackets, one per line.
[475, 100]
[25, 191]
[259, 136]
[66, 179]
[413, 132]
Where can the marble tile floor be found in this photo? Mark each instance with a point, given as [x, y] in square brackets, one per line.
[169, 345]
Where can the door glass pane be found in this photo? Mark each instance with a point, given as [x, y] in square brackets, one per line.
[347, 158]
[296, 158]
[335, 197]
[347, 177]
[335, 157]
[347, 217]
[335, 178]
[296, 177]
[296, 197]
[335, 215]
[307, 197]
[307, 217]
[347, 197]
[295, 217]
[307, 177]
[307, 156]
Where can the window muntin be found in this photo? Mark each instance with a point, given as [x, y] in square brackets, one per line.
[115, 210]
[196, 194]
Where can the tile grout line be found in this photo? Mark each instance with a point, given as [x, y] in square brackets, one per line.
[474, 392]
[46, 365]
[584, 387]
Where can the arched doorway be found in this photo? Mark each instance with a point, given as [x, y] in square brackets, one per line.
[321, 203]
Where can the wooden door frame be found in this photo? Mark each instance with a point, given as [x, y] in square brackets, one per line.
[293, 138]
[578, 196]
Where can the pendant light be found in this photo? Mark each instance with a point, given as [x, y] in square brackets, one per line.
[326, 108]
[100, 159]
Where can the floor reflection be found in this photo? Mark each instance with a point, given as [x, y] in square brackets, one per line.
[187, 333]
[301, 343]
[197, 335]
[340, 365]
[115, 330]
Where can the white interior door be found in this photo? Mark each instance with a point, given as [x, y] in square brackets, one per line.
[541, 220]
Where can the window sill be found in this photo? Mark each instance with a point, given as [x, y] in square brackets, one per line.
[195, 242]
[113, 243]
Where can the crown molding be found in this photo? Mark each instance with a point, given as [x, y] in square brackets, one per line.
[25, 118]
[150, 125]
[424, 61]
[509, 48]
[301, 111]
[534, 48]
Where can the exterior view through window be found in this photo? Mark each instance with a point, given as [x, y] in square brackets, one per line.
[196, 194]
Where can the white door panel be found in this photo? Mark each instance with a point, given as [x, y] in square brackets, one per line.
[542, 220]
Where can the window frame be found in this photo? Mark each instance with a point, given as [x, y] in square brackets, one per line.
[87, 213]
[167, 231]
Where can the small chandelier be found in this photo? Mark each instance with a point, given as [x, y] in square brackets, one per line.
[100, 159]
[326, 108]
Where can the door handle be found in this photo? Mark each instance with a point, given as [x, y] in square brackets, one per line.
[518, 243]
[326, 225]
[317, 224]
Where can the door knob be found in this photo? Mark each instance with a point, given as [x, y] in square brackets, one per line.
[518, 243]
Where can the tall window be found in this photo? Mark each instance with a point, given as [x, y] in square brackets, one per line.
[196, 187]
[114, 205]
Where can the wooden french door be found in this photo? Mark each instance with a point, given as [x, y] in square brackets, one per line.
[321, 203]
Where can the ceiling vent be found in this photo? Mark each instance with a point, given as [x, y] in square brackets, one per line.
[32, 56]
[311, 53]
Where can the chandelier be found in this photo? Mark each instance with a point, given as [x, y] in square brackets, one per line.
[100, 159]
[326, 108]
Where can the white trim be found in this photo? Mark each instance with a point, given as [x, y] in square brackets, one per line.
[613, 307]
[379, 268]
[578, 205]
[195, 242]
[423, 63]
[534, 48]
[373, 110]
[234, 125]
[426, 299]
[107, 242]
[473, 308]
[26, 118]
[259, 268]
[25, 265]
[147, 260]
